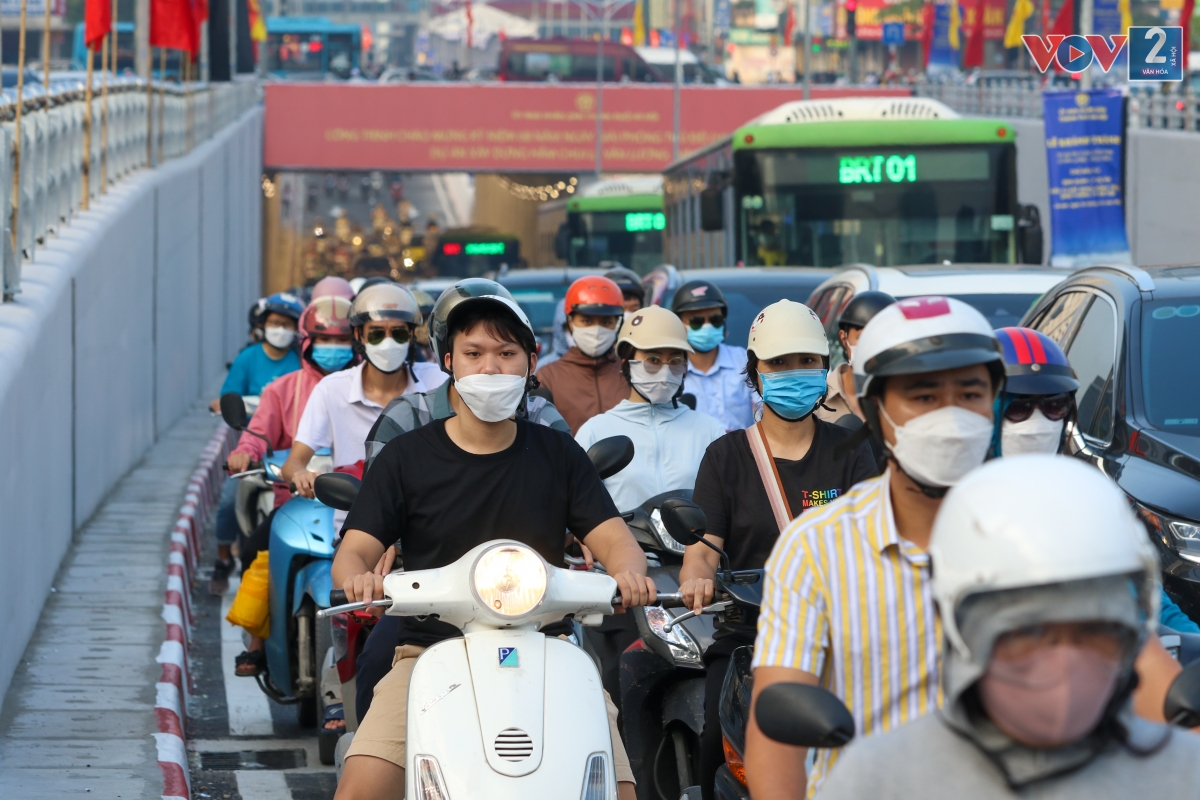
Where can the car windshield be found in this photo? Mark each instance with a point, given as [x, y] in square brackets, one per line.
[1170, 365]
[539, 304]
[1001, 310]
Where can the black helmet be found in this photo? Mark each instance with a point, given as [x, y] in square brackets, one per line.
[629, 281]
[862, 307]
[698, 294]
[456, 296]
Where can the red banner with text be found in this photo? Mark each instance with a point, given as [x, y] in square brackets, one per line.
[503, 127]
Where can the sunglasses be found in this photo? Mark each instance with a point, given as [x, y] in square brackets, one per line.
[696, 323]
[377, 335]
[1055, 407]
[654, 364]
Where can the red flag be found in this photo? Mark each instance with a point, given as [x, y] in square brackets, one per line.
[973, 52]
[173, 25]
[1189, 7]
[928, 14]
[1064, 20]
[97, 15]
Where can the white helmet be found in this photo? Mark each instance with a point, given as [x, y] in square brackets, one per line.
[924, 334]
[1030, 521]
[654, 327]
[383, 301]
[786, 327]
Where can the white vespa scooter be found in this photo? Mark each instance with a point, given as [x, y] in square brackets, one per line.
[504, 712]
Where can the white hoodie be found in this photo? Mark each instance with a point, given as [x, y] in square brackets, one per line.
[668, 444]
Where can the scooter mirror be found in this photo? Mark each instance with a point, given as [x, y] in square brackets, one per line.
[611, 455]
[803, 715]
[683, 519]
[337, 489]
[1182, 706]
[233, 410]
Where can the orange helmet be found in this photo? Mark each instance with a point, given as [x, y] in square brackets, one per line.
[595, 295]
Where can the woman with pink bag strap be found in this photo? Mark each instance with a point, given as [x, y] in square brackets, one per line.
[752, 483]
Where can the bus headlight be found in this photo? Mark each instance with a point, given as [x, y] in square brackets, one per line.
[510, 580]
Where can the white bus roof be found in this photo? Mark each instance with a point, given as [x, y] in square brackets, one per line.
[863, 109]
[666, 55]
[623, 187]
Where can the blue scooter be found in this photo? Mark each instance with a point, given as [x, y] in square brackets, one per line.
[301, 547]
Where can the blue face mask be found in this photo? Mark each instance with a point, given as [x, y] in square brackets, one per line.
[793, 394]
[706, 338]
[332, 357]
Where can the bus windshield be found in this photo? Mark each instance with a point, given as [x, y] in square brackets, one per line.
[883, 206]
[633, 238]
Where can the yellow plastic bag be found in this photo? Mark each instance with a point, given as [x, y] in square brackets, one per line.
[251, 608]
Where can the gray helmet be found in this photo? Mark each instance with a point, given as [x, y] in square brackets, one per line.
[464, 293]
[384, 301]
[629, 281]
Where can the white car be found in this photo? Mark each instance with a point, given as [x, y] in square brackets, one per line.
[1001, 292]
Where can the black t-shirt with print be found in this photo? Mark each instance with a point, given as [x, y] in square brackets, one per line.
[731, 494]
[438, 501]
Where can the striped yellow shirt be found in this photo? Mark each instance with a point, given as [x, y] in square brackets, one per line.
[850, 601]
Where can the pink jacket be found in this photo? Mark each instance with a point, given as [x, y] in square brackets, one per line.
[279, 409]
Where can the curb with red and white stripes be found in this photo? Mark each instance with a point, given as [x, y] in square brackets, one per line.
[170, 705]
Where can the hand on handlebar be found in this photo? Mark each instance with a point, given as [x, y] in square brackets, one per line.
[304, 482]
[636, 590]
[238, 462]
[697, 593]
[363, 589]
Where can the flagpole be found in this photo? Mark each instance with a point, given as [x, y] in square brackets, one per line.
[16, 204]
[46, 58]
[87, 125]
[162, 98]
[104, 109]
[150, 110]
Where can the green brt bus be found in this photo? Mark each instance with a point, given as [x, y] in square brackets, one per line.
[882, 181]
[618, 219]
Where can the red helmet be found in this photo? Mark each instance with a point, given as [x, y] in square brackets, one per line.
[332, 286]
[326, 316]
[595, 295]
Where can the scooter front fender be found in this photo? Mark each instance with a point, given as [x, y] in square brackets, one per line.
[507, 725]
[315, 580]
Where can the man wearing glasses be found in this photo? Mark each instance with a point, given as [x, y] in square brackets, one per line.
[716, 371]
[344, 405]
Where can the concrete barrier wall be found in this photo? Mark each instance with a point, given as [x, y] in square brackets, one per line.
[1162, 190]
[125, 319]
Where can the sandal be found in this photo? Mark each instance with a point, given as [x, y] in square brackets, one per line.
[249, 663]
[334, 712]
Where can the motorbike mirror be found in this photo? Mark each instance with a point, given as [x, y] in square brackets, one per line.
[337, 489]
[611, 455]
[1182, 706]
[683, 519]
[803, 715]
[233, 410]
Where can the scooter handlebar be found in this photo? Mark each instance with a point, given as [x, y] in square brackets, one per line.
[337, 597]
[670, 600]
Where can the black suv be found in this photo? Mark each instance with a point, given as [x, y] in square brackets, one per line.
[1133, 337]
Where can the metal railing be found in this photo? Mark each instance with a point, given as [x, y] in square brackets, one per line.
[52, 148]
[1175, 109]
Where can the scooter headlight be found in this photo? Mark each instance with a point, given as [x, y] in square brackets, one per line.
[683, 647]
[430, 785]
[510, 580]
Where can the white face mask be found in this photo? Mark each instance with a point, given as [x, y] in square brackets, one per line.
[278, 336]
[594, 340]
[657, 388]
[1035, 435]
[491, 398]
[387, 356]
[941, 447]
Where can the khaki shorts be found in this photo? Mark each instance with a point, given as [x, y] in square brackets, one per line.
[384, 731]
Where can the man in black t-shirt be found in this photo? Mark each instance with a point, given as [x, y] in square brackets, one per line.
[453, 484]
[788, 357]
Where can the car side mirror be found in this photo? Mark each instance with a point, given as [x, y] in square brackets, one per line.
[233, 411]
[562, 242]
[337, 489]
[1182, 706]
[712, 211]
[610, 456]
[1030, 238]
[803, 715]
[683, 519]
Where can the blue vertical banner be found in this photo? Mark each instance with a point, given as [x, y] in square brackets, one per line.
[1085, 136]
[943, 50]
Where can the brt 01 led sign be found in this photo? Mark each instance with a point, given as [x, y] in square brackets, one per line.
[877, 169]
[638, 221]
